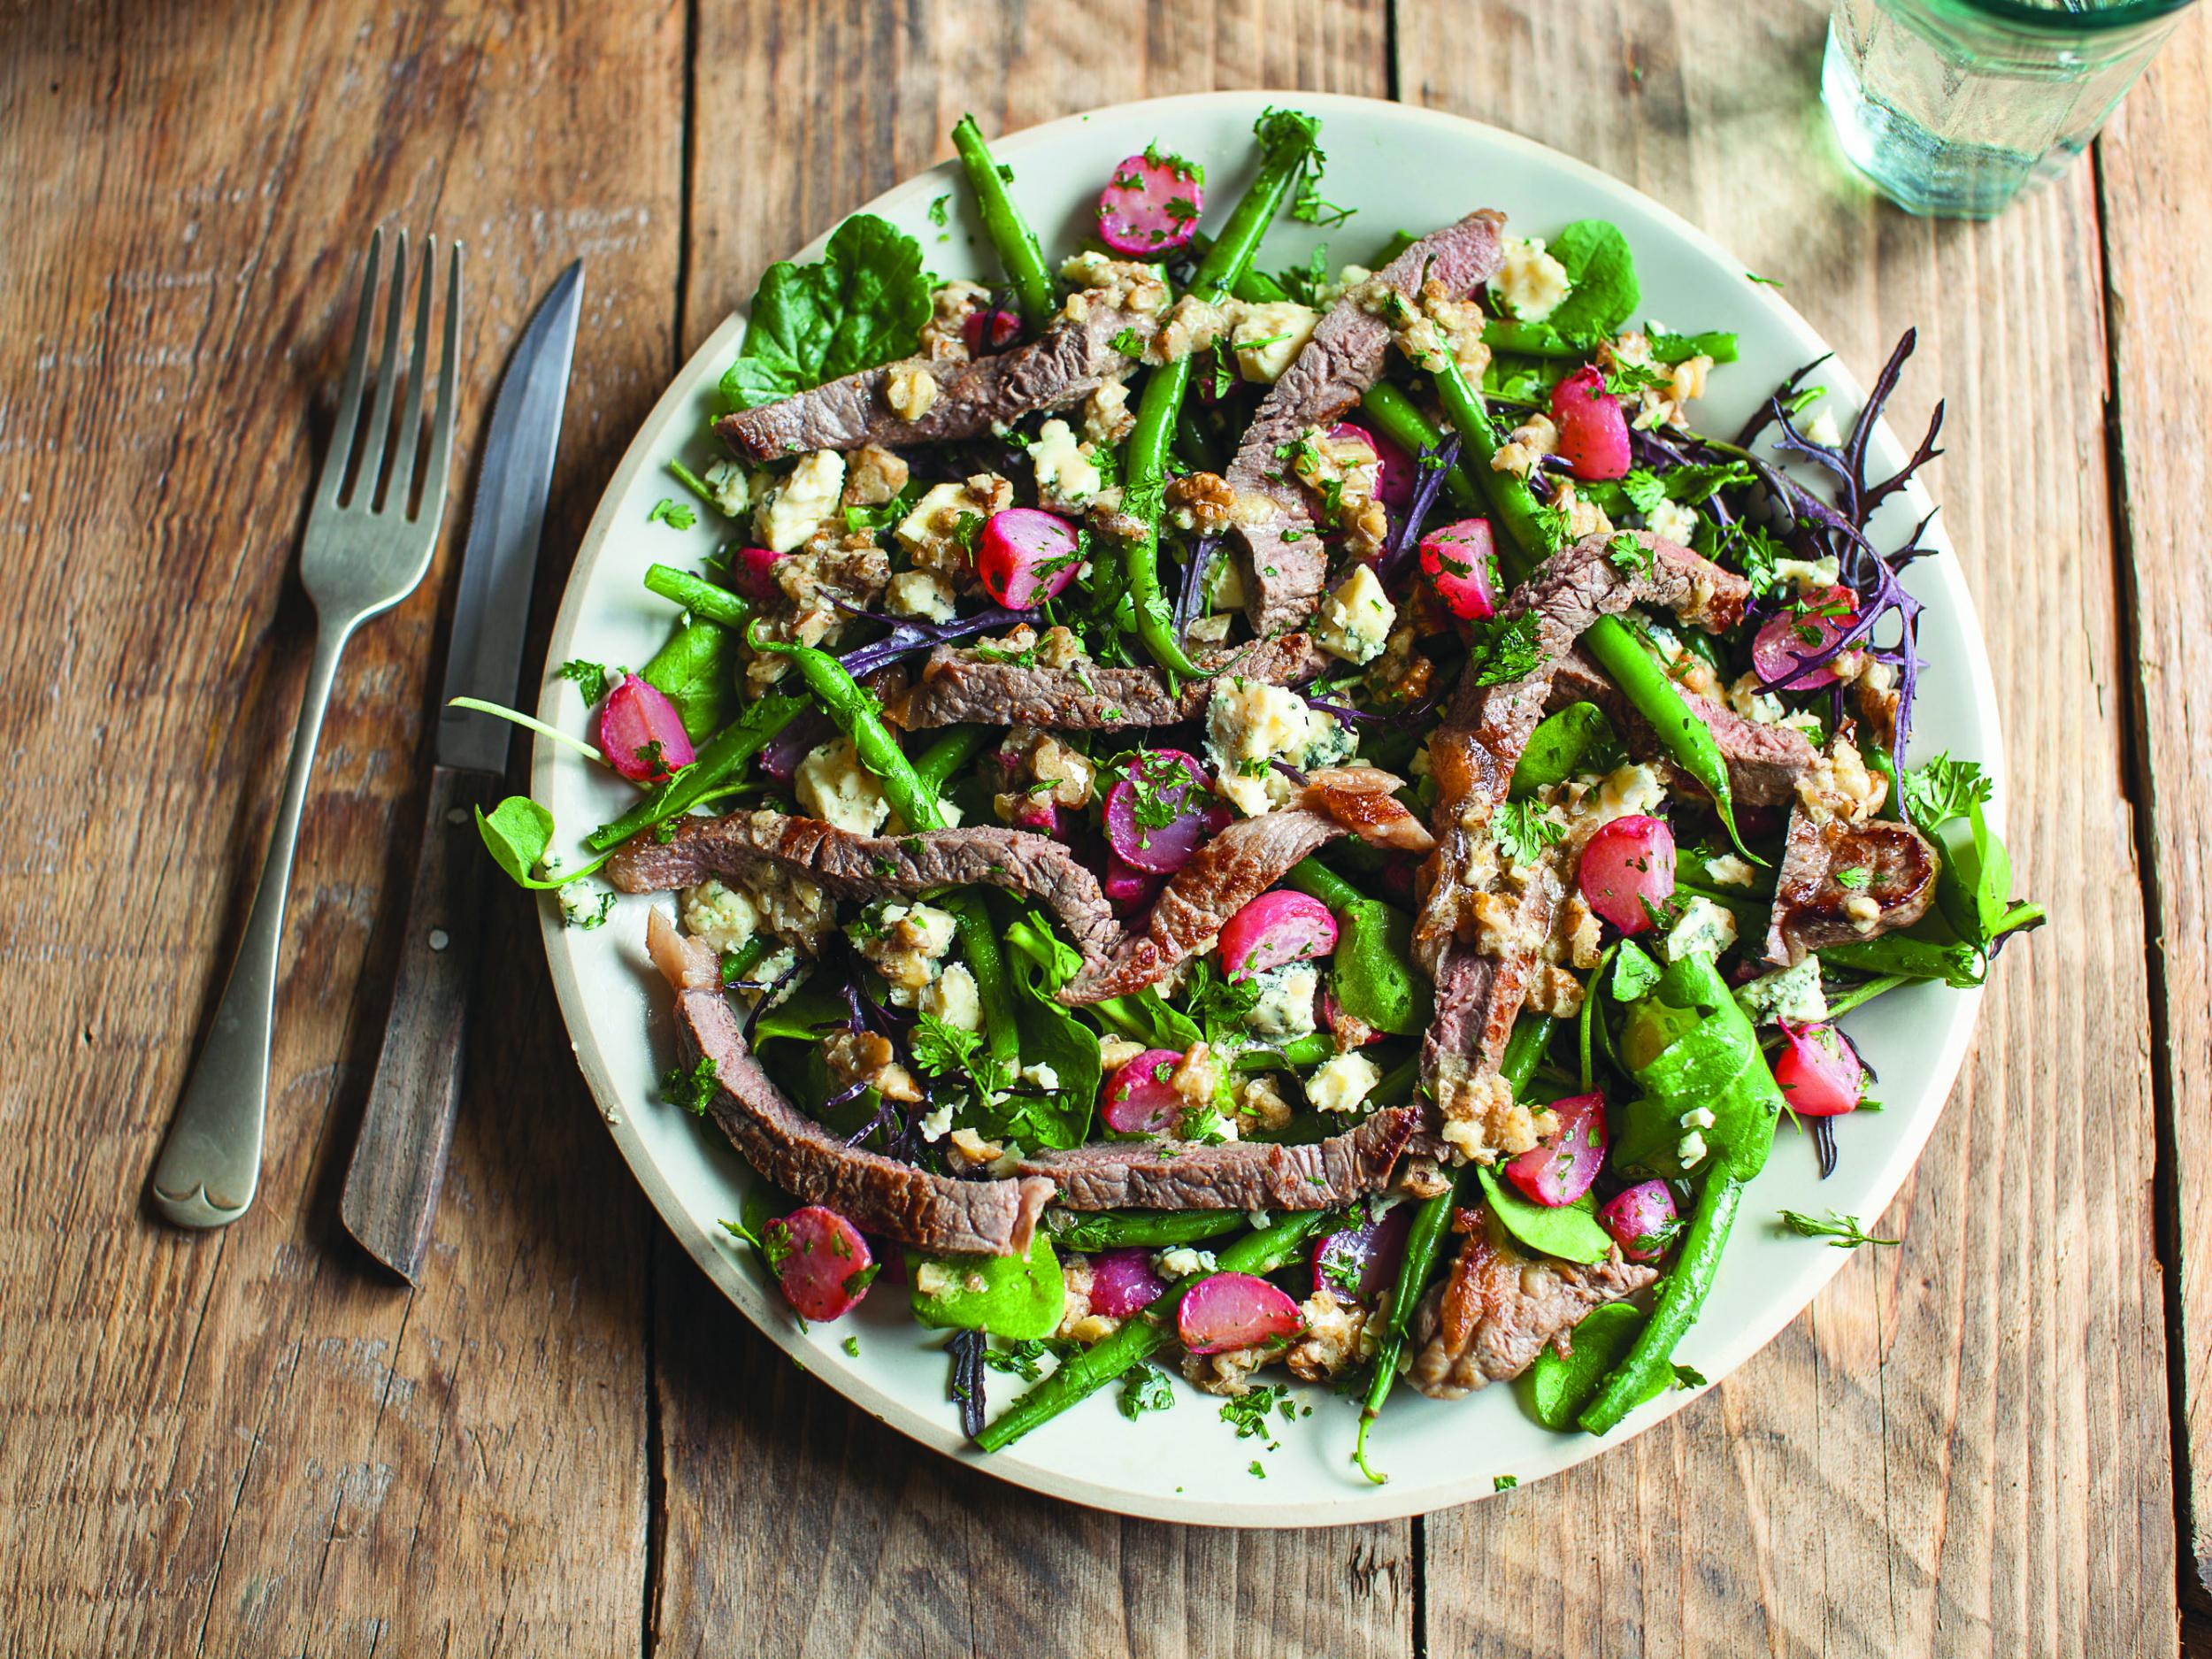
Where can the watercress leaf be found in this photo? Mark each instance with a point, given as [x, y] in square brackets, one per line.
[517, 833]
[1569, 1231]
[1602, 272]
[864, 305]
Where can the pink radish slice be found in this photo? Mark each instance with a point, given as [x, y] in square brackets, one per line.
[1151, 205]
[1139, 1100]
[1275, 928]
[825, 1270]
[1396, 473]
[1628, 872]
[987, 329]
[1365, 1257]
[1808, 626]
[1819, 1073]
[1559, 1168]
[1642, 1220]
[1460, 561]
[1155, 783]
[1127, 887]
[753, 571]
[1123, 1282]
[636, 719]
[1592, 432]
[1233, 1310]
[1027, 555]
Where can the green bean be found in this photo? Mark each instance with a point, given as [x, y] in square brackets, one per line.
[1290, 143]
[952, 748]
[1395, 1087]
[1019, 249]
[1154, 1229]
[993, 988]
[1257, 288]
[1399, 419]
[1528, 539]
[717, 758]
[1081, 1375]
[1633, 1381]
[1536, 339]
[856, 716]
[1298, 1053]
[1425, 1243]
[698, 595]
[1375, 979]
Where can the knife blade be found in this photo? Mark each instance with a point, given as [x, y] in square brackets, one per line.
[399, 1157]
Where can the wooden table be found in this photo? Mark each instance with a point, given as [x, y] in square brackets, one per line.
[1985, 1443]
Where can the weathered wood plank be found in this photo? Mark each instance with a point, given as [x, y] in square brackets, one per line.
[2153, 161]
[251, 1441]
[1962, 1448]
[789, 1514]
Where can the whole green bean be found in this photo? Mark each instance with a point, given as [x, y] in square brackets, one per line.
[698, 595]
[952, 748]
[1154, 1229]
[1634, 1380]
[1399, 419]
[1425, 1242]
[1290, 140]
[1528, 539]
[1018, 249]
[993, 988]
[1536, 339]
[1081, 1375]
[717, 758]
[855, 711]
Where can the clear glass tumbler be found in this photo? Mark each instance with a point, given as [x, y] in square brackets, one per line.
[1951, 107]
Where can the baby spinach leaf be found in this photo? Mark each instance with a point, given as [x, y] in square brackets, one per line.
[1050, 1036]
[1603, 272]
[1559, 1386]
[863, 306]
[516, 833]
[1569, 1231]
[1579, 738]
[1019, 1297]
[697, 671]
[1711, 1062]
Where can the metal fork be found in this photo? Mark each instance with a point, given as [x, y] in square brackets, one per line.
[364, 552]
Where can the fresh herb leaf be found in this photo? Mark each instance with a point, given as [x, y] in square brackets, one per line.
[1624, 552]
[1603, 270]
[1248, 1413]
[1504, 1483]
[1503, 648]
[939, 209]
[1127, 343]
[1843, 1232]
[1643, 489]
[591, 679]
[1145, 1389]
[677, 515]
[1688, 1377]
[692, 1090]
[864, 305]
[1522, 831]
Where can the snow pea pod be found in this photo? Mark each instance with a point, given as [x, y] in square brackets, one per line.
[1019, 249]
[1290, 140]
[1373, 967]
[1081, 1375]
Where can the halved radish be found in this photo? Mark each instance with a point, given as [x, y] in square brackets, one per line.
[1818, 1071]
[1123, 1282]
[1461, 562]
[987, 329]
[1628, 872]
[820, 1260]
[1396, 472]
[1161, 811]
[1642, 1220]
[1275, 928]
[1150, 206]
[1559, 1168]
[1592, 431]
[1362, 1262]
[1127, 887]
[1811, 624]
[753, 569]
[1139, 1100]
[641, 732]
[1027, 555]
[1234, 1310]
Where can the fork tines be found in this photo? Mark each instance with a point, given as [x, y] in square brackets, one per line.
[367, 487]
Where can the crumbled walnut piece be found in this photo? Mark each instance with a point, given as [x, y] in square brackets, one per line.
[909, 390]
[1230, 1371]
[1202, 502]
[1262, 1104]
[1191, 325]
[1553, 991]
[1106, 417]
[865, 1056]
[972, 1149]
[873, 475]
[1336, 1335]
[1483, 1123]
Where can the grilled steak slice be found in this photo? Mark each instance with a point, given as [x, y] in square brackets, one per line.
[1223, 876]
[962, 685]
[1344, 358]
[1491, 1317]
[875, 867]
[1472, 757]
[1813, 908]
[879, 1195]
[1065, 365]
[1764, 762]
[1243, 1175]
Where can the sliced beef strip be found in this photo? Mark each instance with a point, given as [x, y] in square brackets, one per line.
[961, 685]
[1344, 358]
[1764, 762]
[1493, 1315]
[1472, 756]
[1223, 876]
[876, 1194]
[1065, 365]
[1242, 1175]
[875, 867]
[1812, 908]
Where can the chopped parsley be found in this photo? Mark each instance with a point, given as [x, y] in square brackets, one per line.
[1522, 830]
[1127, 343]
[1624, 552]
[692, 1090]
[1688, 1377]
[1854, 878]
[1503, 648]
[943, 1049]
[591, 677]
[939, 210]
[1843, 1232]
[851, 1345]
[1145, 1389]
[675, 514]
[1255, 1470]
[1504, 1483]
[1249, 1414]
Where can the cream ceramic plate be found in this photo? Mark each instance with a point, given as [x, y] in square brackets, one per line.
[1400, 168]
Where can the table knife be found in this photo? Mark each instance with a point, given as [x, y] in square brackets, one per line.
[399, 1159]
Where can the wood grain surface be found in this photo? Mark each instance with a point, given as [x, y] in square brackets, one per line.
[564, 1441]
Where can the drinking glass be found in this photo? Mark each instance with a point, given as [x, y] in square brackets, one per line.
[1951, 107]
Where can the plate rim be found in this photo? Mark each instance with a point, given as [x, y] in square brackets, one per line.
[722, 1266]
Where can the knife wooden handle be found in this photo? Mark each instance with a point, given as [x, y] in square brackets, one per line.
[399, 1160]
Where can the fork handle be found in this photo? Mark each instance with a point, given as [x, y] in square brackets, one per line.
[399, 1159]
[211, 1163]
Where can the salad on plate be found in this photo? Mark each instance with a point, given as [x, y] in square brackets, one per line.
[1216, 817]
